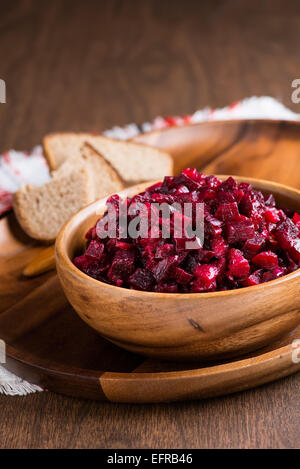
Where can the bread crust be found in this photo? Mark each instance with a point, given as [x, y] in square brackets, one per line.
[118, 182]
[54, 164]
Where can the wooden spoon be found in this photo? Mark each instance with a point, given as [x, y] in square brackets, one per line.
[42, 263]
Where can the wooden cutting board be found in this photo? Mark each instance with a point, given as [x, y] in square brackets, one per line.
[48, 344]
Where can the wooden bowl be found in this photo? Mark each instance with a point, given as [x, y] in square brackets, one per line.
[202, 326]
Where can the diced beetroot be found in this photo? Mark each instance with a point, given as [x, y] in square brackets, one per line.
[206, 272]
[230, 185]
[164, 251]
[290, 263]
[245, 187]
[253, 279]
[282, 214]
[286, 213]
[205, 278]
[270, 200]
[91, 234]
[296, 219]
[151, 263]
[257, 195]
[82, 262]
[267, 277]
[272, 215]
[294, 251]
[164, 267]
[239, 231]
[95, 250]
[266, 260]
[182, 277]
[122, 266]
[206, 194]
[182, 190]
[97, 271]
[162, 198]
[249, 204]
[238, 266]
[148, 252]
[209, 218]
[223, 197]
[286, 232]
[258, 221]
[204, 255]
[272, 244]
[247, 239]
[142, 279]
[238, 195]
[167, 185]
[253, 245]
[219, 246]
[123, 245]
[180, 244]
[213, 226]
[230, 281]
[228, 212]
[189, 263]
[111, 245]
[193, 174]
[198, 286]
[213, 182]
[186, 197]
[184, 179]
[279, 271]
[220, 264]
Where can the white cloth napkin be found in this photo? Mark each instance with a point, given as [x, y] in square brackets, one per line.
[17, 168]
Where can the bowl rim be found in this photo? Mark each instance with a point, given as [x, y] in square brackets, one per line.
[286, 122]
[61, 255]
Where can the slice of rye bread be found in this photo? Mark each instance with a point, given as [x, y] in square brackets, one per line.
[81, 179]
[42, 210]
[135, 162]
[105, 178]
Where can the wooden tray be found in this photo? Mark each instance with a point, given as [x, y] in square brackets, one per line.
[49, 345]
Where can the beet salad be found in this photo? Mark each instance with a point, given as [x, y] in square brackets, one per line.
[247, 240]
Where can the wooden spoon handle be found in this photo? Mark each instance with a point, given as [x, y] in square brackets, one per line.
[43, 262]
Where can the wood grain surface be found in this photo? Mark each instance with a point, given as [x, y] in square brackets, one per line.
[73, 65]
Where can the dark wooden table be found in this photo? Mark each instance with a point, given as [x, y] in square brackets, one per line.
[74, 65]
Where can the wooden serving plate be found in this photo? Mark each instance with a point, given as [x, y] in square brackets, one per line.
[48, 344]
